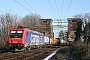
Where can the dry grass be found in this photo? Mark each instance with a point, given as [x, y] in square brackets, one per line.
[79, 50]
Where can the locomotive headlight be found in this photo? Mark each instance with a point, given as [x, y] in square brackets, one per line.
[10, 41]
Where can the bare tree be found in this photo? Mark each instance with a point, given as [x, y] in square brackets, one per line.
[86, 28]
[85, 19]
[6, 22]
[84, 16]
[31, 21]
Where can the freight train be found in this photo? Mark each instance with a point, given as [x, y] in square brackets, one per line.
[24, 38]
[58, 41]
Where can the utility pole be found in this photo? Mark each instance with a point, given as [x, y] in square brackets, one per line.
[45, 30]
[88, 39]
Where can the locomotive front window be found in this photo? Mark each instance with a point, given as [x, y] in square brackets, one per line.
[13, 31]
[19, 31]
[16, 34]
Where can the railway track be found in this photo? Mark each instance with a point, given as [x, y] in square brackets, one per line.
[36, 54]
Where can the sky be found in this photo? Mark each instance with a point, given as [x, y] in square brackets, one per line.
[54, 9]
[46, 8]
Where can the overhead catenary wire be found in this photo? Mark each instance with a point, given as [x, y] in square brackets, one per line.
[30, 6]
[52, 8]
[23, 6]
[57, 11]
[61, 8]
[2, 11]
[60, 12]
[56, 7]
[6, 8]
[67, 8]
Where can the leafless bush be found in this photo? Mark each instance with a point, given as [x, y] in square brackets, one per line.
[6, 22]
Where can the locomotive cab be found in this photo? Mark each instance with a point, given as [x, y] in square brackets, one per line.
[15, 40]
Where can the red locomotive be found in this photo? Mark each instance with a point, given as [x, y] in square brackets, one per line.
[23, 38]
